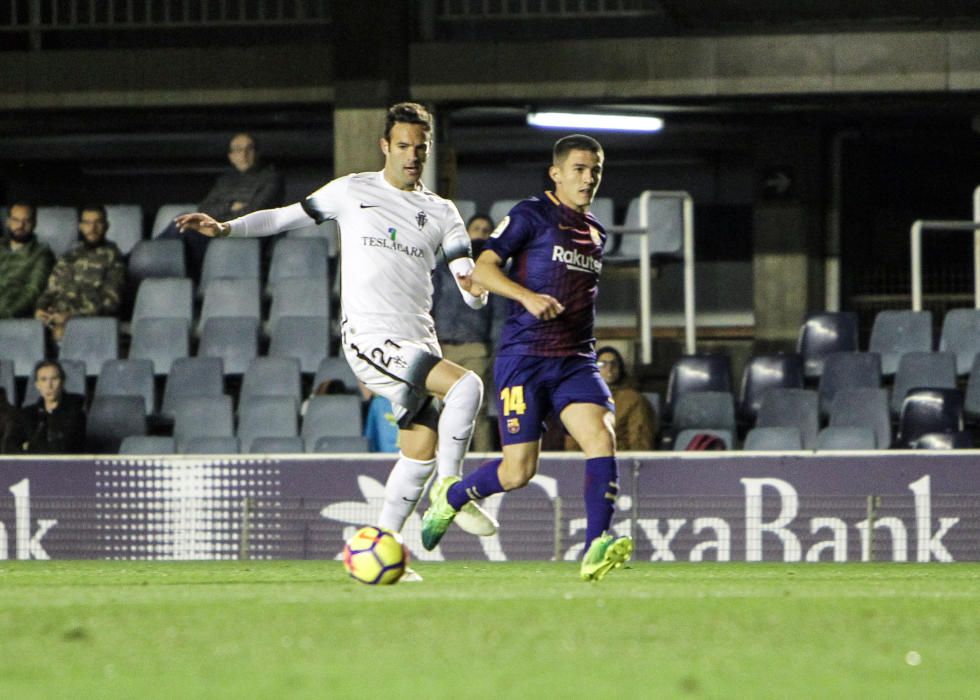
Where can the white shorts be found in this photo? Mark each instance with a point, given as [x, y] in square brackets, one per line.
[395, 369]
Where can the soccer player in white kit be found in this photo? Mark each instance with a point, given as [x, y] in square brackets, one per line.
[391, 227]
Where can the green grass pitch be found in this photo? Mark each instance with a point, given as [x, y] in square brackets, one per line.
[482, 630]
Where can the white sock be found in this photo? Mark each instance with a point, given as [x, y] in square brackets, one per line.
[403, 490]
[456, 420]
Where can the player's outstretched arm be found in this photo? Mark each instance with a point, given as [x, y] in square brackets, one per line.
[488, 274]
[203, 224]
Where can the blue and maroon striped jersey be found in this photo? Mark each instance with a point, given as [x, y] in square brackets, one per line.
[558, 251]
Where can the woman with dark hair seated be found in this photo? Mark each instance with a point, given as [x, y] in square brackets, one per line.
[636, 423]
[55, 424]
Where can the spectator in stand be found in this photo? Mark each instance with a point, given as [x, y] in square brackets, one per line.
[380, 424]
[25, 263]
[636, 423]
[88, 280]
[55, 424]
[249, 185]
[466, 335]
[8, 416]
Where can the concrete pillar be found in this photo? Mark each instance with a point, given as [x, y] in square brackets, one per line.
[357, 131]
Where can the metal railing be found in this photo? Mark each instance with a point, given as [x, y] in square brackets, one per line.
[921, 226]
[469, 10]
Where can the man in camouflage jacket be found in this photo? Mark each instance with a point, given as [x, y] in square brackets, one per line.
[88, 280]
[25, 263]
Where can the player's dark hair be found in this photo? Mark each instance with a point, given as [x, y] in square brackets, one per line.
[407, 113]
[575, 142]
[28, 205]
[93, 207]
[477, 217]
[50, 363]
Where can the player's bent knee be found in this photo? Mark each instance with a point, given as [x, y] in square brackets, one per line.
[466, 395]
[515, 475]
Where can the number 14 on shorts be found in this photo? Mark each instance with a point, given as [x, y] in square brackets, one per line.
[512, 398]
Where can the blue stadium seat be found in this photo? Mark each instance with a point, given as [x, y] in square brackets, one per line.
[272, 376]
[793, 408]
[92, 340]
[764, 372]
[959, 440]
[266, 416]
[961, 336]
[824, 333]
[166, 214]
[162, 257]
[192, 377]
[58, 227]
[299, 296]
[337, 368]
[234, 340]
[337, 444]
[230, 297]
[164, 297]
[665, 230]
[326, 231]
[128, 378]
[209, 445]
[125, 225]
[847, 370]
[162, 341]
[112, 418]
[147, 445]
[277, 445]
[298, 257]
[846, 437]
[895, 333]
[697, 373]
[229, 258]
[922, 369]
[331, 416]
[773, 439]
[202, 416]
[703, 410]
[866, 408]
[305, 338]
[929, 410]
[22, 342]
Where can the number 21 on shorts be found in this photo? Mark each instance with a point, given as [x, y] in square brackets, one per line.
[513, 400]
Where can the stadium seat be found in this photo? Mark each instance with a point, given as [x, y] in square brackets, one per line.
[166, 214]
[75, 381]
[764, 372]
[299, 296]
[209, 445]
[234, 340]
[230, 297]
[337, 368]
[971, 402]
[304, 337]
[92, 340]
[164, 297]
[337, 444]
[773, 439]
[895, 333]
[684, 437]
[277, 445]
[922, 369]
[298, 257]
[128, 378]
[697, 373]
[202, 416]
[22, 342]
[331, 416]
[271, 376]
[147, 445]
[7, 382]
[229, 258]
[326, 231]
[604, 209]
[125, 225]
[929, 410]
[824, 333]
[58, 227]
[665, 232]
[192, 377]
[865, 408]
[162, 257]
[704, 410]
[266, 416]
[847, 370]
[960, 440]
[161, 341]
[961, 336]
[500, 209]
[794, 408]
[112, 418]
[846, 437]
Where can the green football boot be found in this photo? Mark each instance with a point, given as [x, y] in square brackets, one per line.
[439, 515]
[605, 554]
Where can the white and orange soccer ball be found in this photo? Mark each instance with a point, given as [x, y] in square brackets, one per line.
[375, 556]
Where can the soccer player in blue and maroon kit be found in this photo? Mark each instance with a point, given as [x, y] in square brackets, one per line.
[546, 355]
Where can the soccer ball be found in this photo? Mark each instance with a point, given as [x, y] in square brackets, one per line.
[375, 556]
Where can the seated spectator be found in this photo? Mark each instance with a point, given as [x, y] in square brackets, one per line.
[55, 424]
[249, 185]
[380, 425]
[636, 423]
[25, 263]
[466, 335]
[88, 280]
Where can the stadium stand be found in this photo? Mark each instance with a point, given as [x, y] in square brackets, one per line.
[697, 373]
[929, 410]
[266, 416]
[234, 340]
[272, 376]
[336, 444]
[161, 341]
[331, 416]
[959, 440]
[132, 377]
[92, 340]
[764, 372]
[192, 377]
[298, 257]
[793, 408]
[935, 370]
[164, 297]
[230, 297]
[156, 258]
[202, 416]
[75, 381]
[961, 336]
[209, 445]
[166, 213]
[299, 296]
[147, 445]
[684, 437]
[125, 225]
[704, 410]
[846, 437]
[866, 408]
[337, 368]
[280, 445]
[229, 258]
[22, 341]
[844, 370]
[774, 438]
[112, 418]
[305, 338]
[58, 227]
[665, 233]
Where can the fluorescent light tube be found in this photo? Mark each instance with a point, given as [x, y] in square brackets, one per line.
[607, 122]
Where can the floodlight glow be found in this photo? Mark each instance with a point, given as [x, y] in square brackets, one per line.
[606, 122]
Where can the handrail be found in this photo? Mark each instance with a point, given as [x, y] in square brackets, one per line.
[687, 219]
[918, 227]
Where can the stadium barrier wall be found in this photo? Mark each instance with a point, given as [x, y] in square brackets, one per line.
[795, 507]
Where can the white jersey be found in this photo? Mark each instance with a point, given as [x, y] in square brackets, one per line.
[388, 244]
